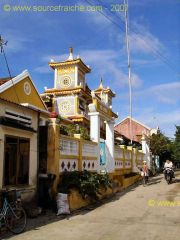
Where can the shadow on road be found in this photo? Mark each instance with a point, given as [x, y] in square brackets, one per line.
[176, 180]
[153, 182]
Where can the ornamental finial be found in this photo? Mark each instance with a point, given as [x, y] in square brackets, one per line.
[101, 85]
[70, 50]
[70, 54]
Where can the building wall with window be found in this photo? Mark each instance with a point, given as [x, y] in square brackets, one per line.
[22, 114]
[18, 147]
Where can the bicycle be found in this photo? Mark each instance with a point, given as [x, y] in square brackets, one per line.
[14, 216]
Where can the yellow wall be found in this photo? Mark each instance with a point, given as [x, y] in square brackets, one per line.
[18, 90]
[54, 156]
[53, 152]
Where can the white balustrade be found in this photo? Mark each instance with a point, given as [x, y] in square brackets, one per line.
[118, 153]
[69, 147]
[89, 150]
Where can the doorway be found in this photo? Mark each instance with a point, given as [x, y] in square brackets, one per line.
[16, 165]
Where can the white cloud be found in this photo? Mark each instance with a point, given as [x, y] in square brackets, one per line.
[166, 93]
[166, 120]
[43, 69]
[141, 39]
[55, 57]
[97, 17]
[16, 42]
[145, 42]
[108, 62]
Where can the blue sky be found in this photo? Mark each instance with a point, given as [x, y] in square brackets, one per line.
[36, 37]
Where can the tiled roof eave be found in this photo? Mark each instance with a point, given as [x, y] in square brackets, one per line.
[77, 61]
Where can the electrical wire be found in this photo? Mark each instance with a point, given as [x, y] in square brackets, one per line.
[2, 43]
[155, 52]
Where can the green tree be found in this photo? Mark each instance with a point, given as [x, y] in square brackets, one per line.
[162, 146]
[176, 147]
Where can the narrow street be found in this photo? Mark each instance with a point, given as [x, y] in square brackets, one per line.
[137, 213]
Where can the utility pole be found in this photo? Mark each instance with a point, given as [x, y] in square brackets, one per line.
[2, 44]
[129, 69]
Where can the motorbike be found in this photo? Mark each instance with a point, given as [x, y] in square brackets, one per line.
[168, 175]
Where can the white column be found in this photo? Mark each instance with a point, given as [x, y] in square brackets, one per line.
[135, 167]
[94, 126]
[146, 150]
[110, 146]
[76, 76]
[95, 130]
[55, 78]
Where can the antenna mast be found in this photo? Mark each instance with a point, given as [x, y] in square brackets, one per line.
[129, 68]
[4, 43]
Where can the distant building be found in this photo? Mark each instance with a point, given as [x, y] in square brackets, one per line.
[140, 134]
[138, 129]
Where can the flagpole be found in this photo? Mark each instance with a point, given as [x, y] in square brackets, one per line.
[129, 69]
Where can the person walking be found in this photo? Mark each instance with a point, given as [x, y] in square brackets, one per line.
[145, 170]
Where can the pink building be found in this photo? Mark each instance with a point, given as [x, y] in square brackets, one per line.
[138, 129]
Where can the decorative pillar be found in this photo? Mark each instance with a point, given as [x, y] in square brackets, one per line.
[146, 150]
[94, 124]
[76, 76]
[95, 130]
[110, 146]
[53, 158]
[134, 161]
[55, 78]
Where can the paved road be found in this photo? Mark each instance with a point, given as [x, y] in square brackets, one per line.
[134, 214]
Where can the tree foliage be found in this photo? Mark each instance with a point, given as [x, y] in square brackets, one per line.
[176, 145]
[161, 145]
[72, 129]
[87, 183]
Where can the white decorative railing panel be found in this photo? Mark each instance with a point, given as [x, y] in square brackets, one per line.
[69, 147]
[127, 155]
[118, 153]
[89, 150]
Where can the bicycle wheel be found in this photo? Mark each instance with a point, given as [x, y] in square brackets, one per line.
[16, 220]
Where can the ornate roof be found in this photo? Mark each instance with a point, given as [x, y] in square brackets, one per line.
[70, 61]
[79, 118]
[66, 92]
[105, 90]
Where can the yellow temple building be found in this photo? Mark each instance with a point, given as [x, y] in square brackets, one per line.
[71, 95]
